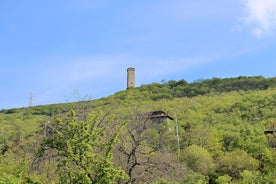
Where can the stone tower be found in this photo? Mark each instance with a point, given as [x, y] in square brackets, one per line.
[130, 77]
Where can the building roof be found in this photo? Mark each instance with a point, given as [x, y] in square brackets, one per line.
[271, 131]
[157, 115]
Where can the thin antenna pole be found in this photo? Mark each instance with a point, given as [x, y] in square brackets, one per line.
[177, 134]
[31, 100]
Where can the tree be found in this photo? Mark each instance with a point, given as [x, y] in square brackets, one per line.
[250, 177]
[233, 163]
[82, 151]
[198, 159]
[223, 179]
[142, 152]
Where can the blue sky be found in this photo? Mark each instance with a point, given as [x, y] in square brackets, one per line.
[67, 50]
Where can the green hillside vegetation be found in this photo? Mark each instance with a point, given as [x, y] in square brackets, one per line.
[216, 136]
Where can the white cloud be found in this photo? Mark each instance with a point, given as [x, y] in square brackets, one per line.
[158, 68]
[97, 76]
[112, 69]
[261, 16]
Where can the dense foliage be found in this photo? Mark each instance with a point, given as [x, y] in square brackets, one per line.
[181, 88]
[220, 127]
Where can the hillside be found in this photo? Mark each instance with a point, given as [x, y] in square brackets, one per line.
[216, 136]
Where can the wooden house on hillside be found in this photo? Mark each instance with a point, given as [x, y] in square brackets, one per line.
[271, 135]
[157, 116]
